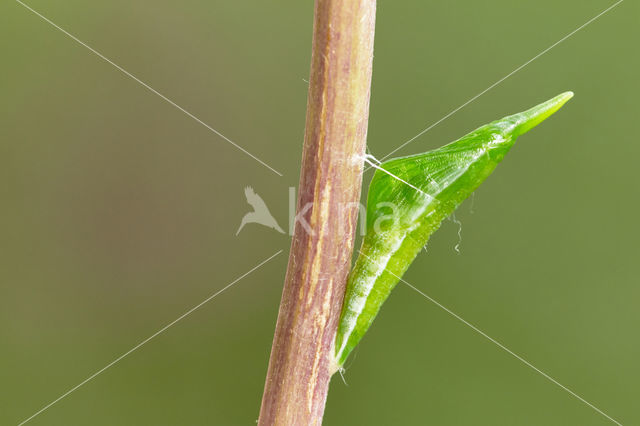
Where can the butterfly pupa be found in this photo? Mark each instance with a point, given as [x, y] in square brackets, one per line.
[408, 199]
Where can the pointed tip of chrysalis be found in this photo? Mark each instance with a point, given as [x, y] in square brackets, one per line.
[529, 119]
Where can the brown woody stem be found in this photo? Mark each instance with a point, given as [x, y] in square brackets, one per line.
[302, 355]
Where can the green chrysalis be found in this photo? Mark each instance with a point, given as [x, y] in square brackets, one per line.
[408, 199]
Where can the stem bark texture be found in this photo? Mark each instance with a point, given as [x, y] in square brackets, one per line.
[302, 356]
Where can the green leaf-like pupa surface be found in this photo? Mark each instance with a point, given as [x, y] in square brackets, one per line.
[408, 201]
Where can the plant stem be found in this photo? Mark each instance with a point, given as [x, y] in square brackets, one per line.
[302, 356]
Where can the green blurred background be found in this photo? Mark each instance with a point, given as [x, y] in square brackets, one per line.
[119, 213]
